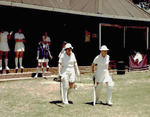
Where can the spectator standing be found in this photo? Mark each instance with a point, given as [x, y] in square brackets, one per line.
[43, 53]
[19, 49]
[4, 48]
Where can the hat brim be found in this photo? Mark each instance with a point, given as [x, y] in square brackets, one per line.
[69, 47]
[104, 49]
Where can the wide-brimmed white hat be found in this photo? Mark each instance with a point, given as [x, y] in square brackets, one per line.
[104, 48]
[68, 45]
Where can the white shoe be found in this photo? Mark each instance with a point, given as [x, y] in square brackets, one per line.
[109, 103]
[16, 69]
[75, 87]
[65, 103]
[36, 76]
[1, 68]
[22, 67]
[44, 77]
[47, 66]
[7, 68]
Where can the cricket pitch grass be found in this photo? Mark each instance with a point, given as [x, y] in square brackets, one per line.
[41, 98]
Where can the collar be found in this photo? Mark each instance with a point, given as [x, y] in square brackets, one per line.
[102, 56]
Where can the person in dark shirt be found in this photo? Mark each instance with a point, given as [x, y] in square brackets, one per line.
[43, 54]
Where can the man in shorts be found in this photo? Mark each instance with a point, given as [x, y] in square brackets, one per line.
[43, 53]
[19, 49]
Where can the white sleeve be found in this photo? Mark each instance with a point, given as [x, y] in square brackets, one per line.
[6, 33]
[16, 35]
[62, 51]
[61, 58]
[22, 36]
[48, 39]
[107, 59]
[74, 58]
[0, 37]
[60, 65]
[95, 61]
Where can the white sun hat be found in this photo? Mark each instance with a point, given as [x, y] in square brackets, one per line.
[68, 45]
[104, 48]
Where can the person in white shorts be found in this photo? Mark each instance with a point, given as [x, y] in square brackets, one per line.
[19, 48]
[102, 74]
[4, 48]
[43, 53]
[67, 69]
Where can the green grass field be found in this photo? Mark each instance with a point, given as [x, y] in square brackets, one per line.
[41, 98]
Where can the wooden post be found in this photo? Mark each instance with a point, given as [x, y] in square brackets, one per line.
[100, 35]
[147, 38]
[124, 36]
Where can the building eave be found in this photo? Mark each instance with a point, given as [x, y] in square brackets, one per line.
[44, 8]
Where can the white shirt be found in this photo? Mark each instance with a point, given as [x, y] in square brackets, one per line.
[138, 57]
[67, 62]
[102, 73]
[102, 62]
[48, 39]
[4, 37]
[19, 36]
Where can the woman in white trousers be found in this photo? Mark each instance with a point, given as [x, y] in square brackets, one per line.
[67, 68]
[102, 74]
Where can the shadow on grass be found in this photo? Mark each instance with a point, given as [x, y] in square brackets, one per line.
[59, 103]
[91, 103]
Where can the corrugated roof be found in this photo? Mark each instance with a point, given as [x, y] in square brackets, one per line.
[120, 9]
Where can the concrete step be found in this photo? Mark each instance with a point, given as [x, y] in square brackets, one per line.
[30, 72]
[27, 72]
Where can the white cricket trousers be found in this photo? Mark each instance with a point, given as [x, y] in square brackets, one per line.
[109, 90]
